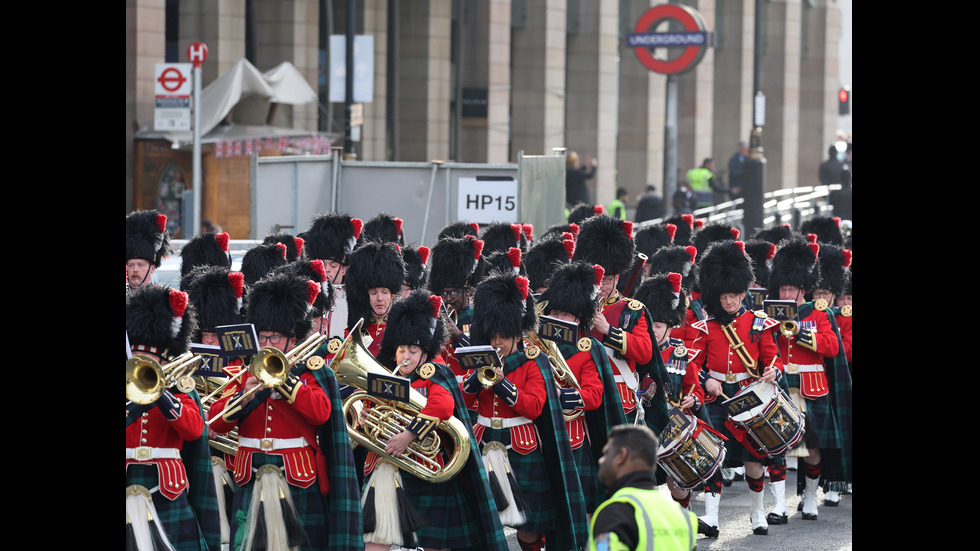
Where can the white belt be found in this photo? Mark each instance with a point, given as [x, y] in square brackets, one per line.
[498, 423]
[805, 368]
[145, 453]
[728, 377]
[272, 443]
[625, 375]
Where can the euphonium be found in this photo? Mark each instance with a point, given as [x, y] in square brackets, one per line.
[352, 363]
[563, 374]
[146, 379]
[789, 328]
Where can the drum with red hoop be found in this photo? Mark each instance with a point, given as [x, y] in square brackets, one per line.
[690, 450]
[770, 420]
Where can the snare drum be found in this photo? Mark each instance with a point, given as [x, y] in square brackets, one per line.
[771, 420]
[690, 451]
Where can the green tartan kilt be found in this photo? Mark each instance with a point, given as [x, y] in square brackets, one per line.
[447, 508]
[309, 504]
[821, 425]
[531, 474]
[177, 516]
[587, 467]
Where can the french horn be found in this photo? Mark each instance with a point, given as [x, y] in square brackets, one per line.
[386, 418]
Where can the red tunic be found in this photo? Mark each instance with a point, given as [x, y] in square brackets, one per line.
[691, 379]
[722, 362]
[586, 373]
[531, 397]
[639, 346]
[844, 324]
[809, 364]
[153, 430]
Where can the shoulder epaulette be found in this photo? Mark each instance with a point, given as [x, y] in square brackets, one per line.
[634, 304]
[585, 344]
[845, 310]
[820, 304]
[532, 352]
[426, 370]
[701, 325]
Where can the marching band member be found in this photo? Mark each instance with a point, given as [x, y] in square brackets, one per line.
[681, 260]
[459, 513]
[294, 244]
[456, 269]
[147, 244]
[315, 271]
[545, 256]
[416, 274]
[624, 326]
[206, 249]
[501, 237]
[374, 278]
[331, 238]
[384, 228]
[262, 259]
[591, 393]
[651, 239]
[520, 426]
[170, 489]
[736, 347]
[293, 465]
[816, 370]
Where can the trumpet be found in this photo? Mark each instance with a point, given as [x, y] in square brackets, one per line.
[271, 367]
[487, 376]
[563, 374]
[789, 328]
[352, 364]
[146, 379]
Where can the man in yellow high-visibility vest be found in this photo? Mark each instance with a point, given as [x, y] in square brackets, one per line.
[702, 183]
[637, 516]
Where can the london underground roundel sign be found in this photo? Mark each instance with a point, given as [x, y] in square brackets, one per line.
[691, 42]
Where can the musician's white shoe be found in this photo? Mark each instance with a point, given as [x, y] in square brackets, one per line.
[779, 514]
[810, 499]
[708, 522]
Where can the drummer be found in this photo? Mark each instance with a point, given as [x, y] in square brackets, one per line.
[737, 347]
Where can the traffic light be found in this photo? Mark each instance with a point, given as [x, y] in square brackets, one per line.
[844, 101]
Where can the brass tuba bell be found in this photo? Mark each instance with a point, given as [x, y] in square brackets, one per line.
[386, 418]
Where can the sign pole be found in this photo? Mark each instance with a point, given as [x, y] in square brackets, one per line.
[196, 54]
[670, 145]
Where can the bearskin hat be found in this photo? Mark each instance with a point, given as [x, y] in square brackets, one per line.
[664, 297]
[574, 289]
[606, 241]
[582, 212]
[724, 268]
[501, 237]
[460, 229]
[834, 263]
[216, 294]
[502, 305]
[507, 262]
[651, 238]
[294, 244]
[712, 233]
[685, 228]
[415, 271]
[282, 302]
[414, 320]
[558, 230]
[206, 249]
[455, 263]
[332, 236]
[384, 228]
[795, 264]
[372, 265]
[262, 259]
[775, 234]
[761, 253]
[675, 258]
[160, 320]
[314, 271]
[827, 229]
[147, 237]
[546, 256]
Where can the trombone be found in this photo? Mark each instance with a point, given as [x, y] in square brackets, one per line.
[271, 367]
[146, 379]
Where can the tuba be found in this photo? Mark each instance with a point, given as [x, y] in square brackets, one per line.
[351, 364]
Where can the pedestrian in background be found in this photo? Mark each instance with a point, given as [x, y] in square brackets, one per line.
[684, 201]
[702, 182]
[736, 168]
[830, 169]
[617, 208]
[575, 177]
[650, 205]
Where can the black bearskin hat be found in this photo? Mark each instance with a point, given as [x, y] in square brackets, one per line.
[502, 305]
[664, 298]
[294, 245]
[834, 263]
[606, 241]
[416, 320]
[314, 271]
[500, 237]
[795, 264]
[723, 268]
[761, 252]
[546, 256]
[282, 302]
[459, 230]
[559, 229]
[712, 233]
[685, 228]
[675, 258]
[147, 237]
[826, 228]
[262, 259]
[383, 227]
[415, 271]
[372, 265]
[455, 263]
[206, 249]
[332, 236]
[582, 212]
[506, 262]
[160, 320]
[651, 238]
[216, 294]
[775, 234]
[574, 289]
